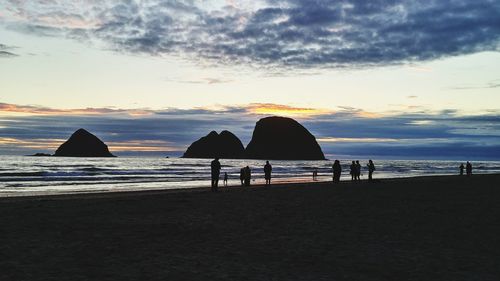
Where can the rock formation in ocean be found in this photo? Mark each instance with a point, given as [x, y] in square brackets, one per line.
[83, 144]
[40, 154]
[224, 145]
[281, 138]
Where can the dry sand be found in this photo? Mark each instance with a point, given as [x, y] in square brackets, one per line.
[429, 228]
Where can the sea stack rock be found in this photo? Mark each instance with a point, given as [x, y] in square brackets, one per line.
[224, 145]
[83, 144]
[280, 138]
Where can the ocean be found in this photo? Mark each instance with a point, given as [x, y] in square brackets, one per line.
[24, 175]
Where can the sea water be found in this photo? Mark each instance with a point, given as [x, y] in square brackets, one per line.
[23, 175]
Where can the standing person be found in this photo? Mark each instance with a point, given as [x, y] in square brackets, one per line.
[468, 168]
[337, 170]
[371, 169]
[248, 176]
[267, 172]
[353, 170]
[225, 179]
[215, 169]
[358, 171]
[242, 175]
[462, 167]
[315, 174]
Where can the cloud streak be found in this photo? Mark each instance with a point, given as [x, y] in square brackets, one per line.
[296, 34]
[491, 85]
[207, 81]
[5, 54]
[5, 51]
[6, 108]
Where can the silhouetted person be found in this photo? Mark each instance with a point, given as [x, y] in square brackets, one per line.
[215, 169]
[371, 169]
[225, 179]
[353, 170]
[267, 172]
[315, 174]
[337, 170]
[358, 171]
[248, 176]
[468, 168]
[462, 167]
[242, 175]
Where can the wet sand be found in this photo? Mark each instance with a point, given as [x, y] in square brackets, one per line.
[428, 228]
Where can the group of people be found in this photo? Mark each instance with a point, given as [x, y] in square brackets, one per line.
[245, 174]
[355, 170]
[467, 167]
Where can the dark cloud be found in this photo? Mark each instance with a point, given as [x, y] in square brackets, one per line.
[298, 34]
[5, 54]
[5, 47]
[5, 51]
[409, 136]
[453, 150]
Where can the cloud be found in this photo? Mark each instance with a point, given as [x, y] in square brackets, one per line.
[14, 109]
[355, 140]
[158, 146]
[32, 143]
[421, 122]
[284, 110]
[5, 51]
[490, 85]
[5, 54]
[341, 132]
[250, 109]
[206, 80]
[295, 34]
[455, 150]
[5, 47]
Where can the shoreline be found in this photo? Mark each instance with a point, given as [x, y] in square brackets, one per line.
[229, 188]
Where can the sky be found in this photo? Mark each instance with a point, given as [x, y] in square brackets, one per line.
[383, 78]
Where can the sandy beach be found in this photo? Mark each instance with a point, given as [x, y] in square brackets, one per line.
[426, 228]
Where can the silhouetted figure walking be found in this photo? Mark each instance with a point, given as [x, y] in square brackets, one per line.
[248, 176]
[242, 175]
[462, 167]
[337, 170]
[215, 169]
[353, 170]
[371, 169]
[225, 179]
[468, 168]
[358, 171]
[315, 174]
[267, 172]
